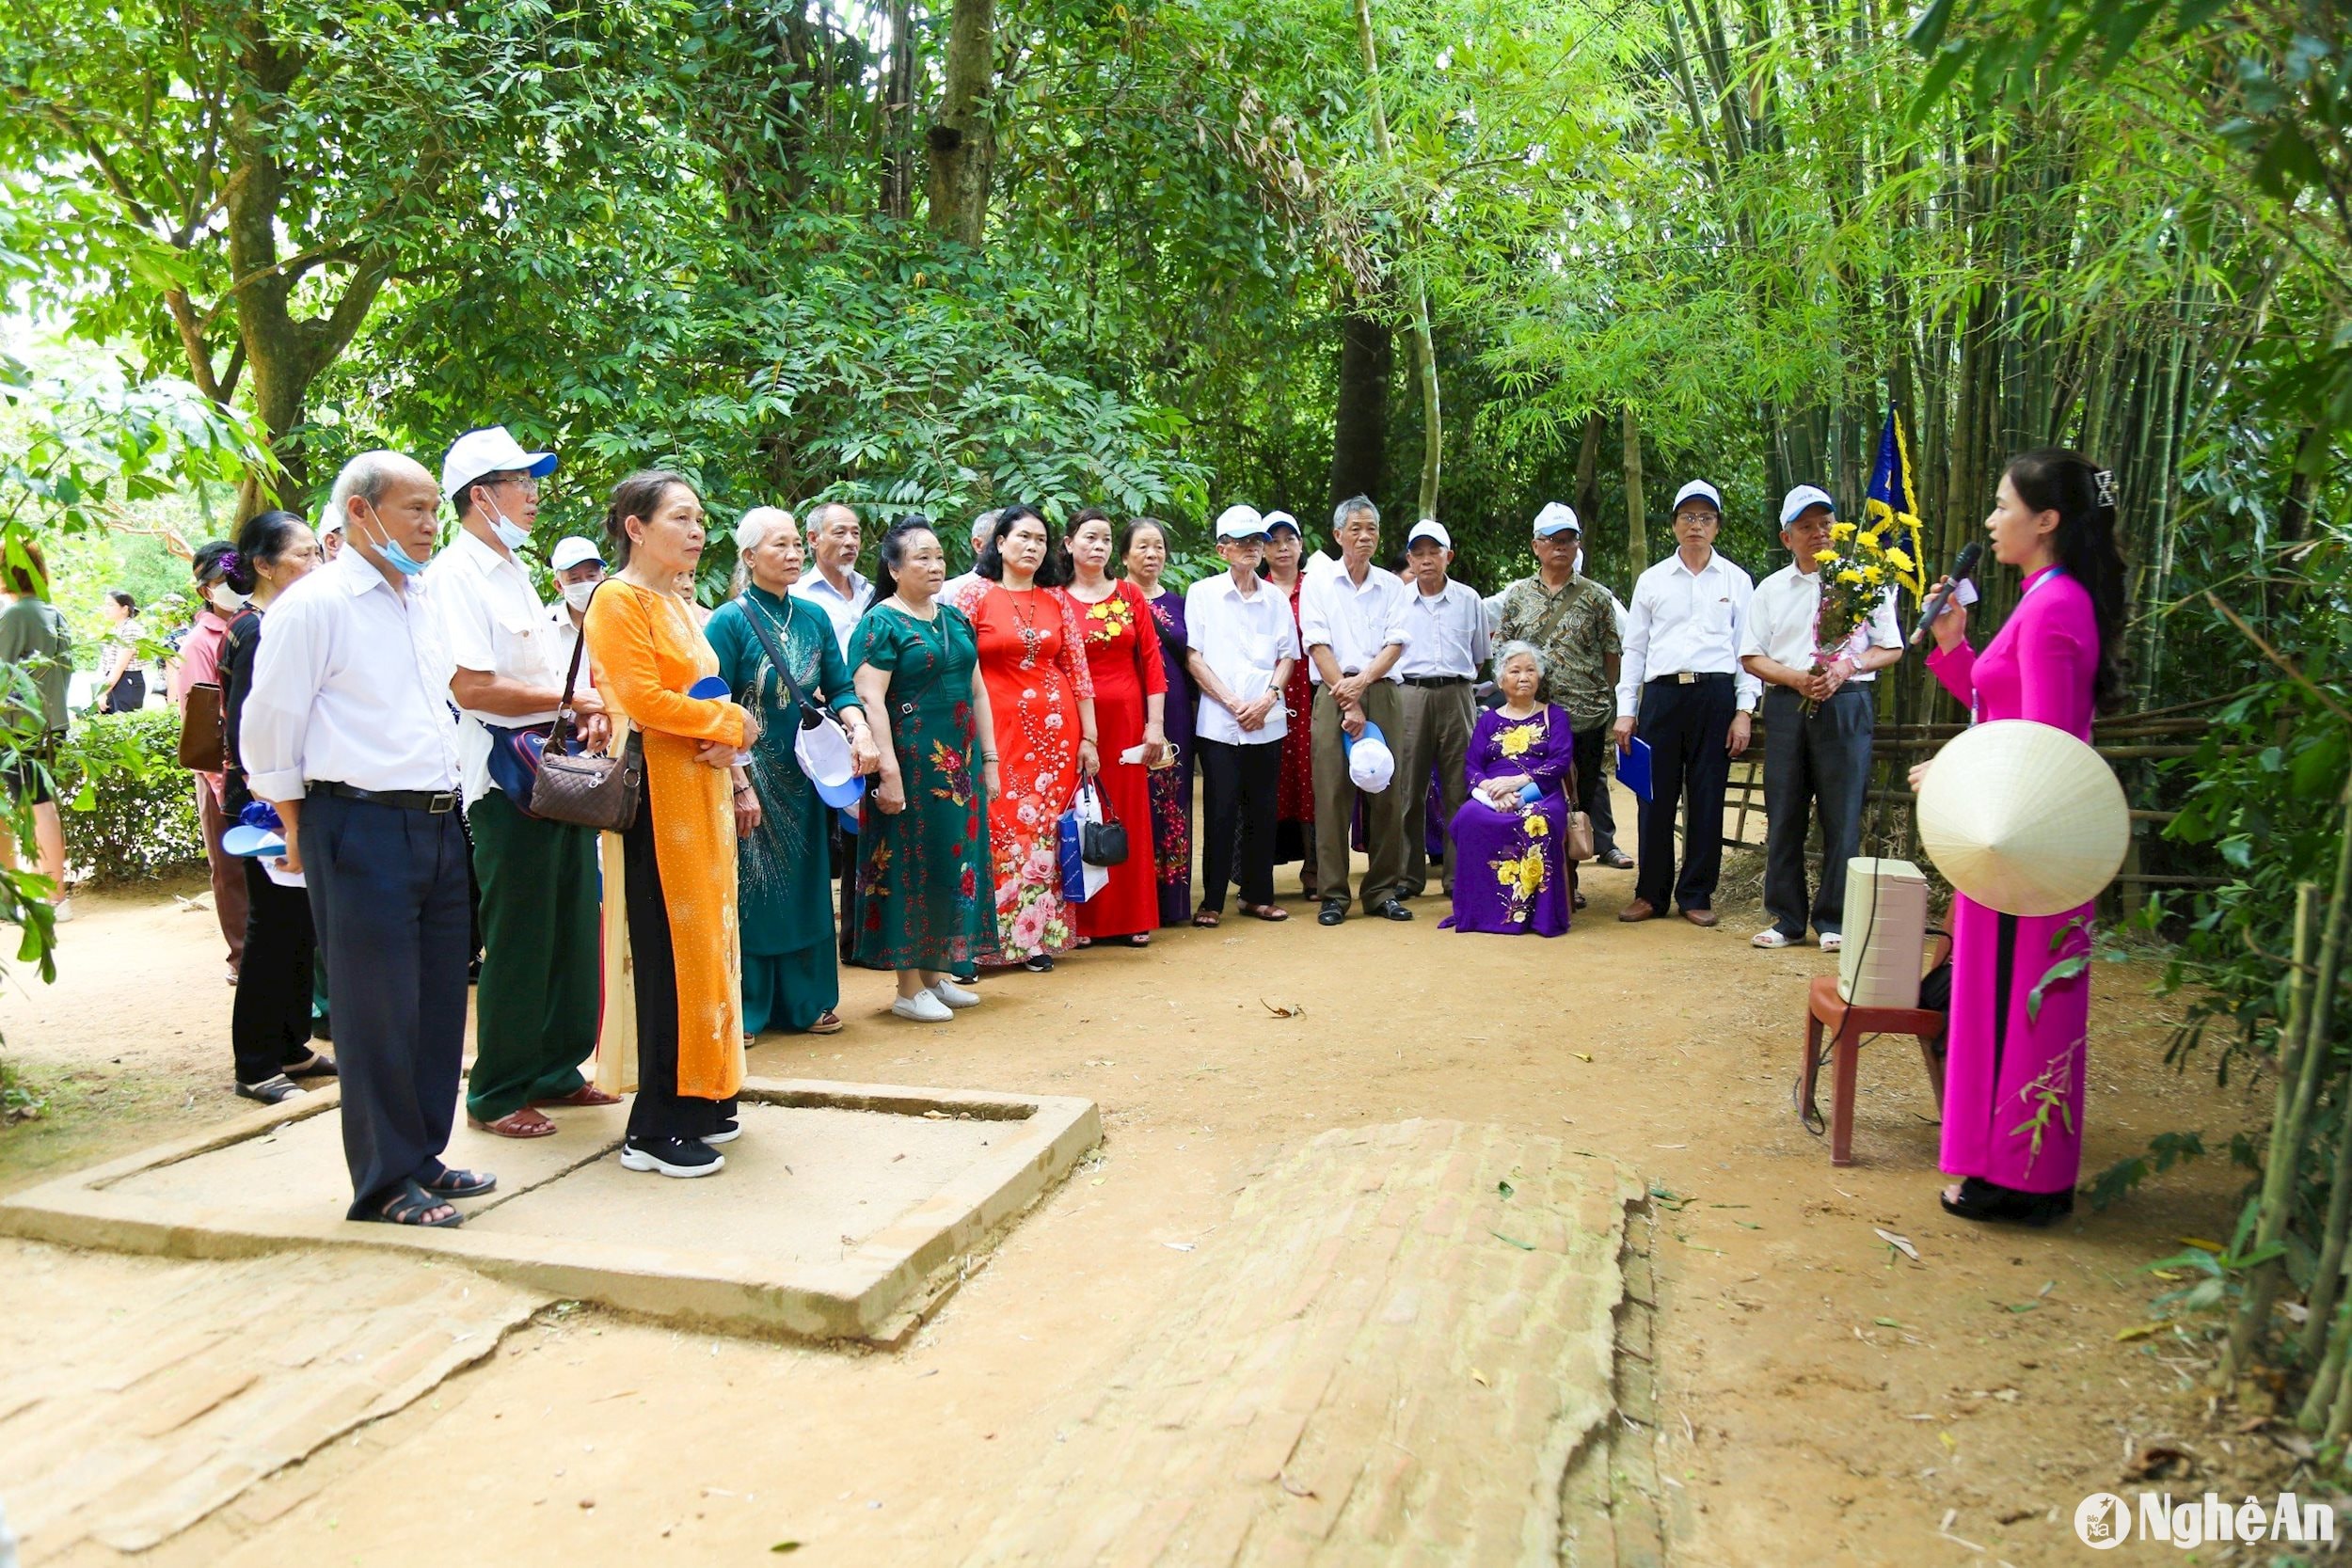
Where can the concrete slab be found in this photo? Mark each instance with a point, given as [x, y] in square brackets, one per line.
[841, 1214]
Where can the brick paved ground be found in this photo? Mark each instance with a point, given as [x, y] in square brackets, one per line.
[1390, 1353]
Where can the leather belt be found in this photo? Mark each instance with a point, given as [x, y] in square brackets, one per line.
[1690, 677]
[433, 801]
[1435, 680]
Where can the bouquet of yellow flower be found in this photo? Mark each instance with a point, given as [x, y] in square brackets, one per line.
[1858, 570]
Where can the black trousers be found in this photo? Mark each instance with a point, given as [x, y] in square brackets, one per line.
[659, 1111]
[269, 1023]
[1820, 763]
[1592, 786]
[1687, 728]
[387, 898]
[1238, 788]
[844, 846]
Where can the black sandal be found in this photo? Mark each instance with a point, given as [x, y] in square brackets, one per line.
[410, 1204]
[459, 1183]
[1039, 963]
[1987, 1201]
[274, 1090]
[319, 1065]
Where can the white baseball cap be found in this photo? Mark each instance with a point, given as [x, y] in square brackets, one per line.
[1370, 766]
[1240, 522]
[489, 451]
[1704, 491]
[1795, 503]
[571, 550]
[1429, 528]
[1556, 518]
[1283, 520]
[331, 521]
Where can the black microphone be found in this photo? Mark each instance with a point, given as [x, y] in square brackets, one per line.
[1963, 569]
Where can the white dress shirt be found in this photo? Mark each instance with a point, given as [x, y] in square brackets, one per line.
[1242, 638]
[566, 638]
[1354, 620]
[842, 610]
[1449, 632]
[492, 622]
[1682, 620]
[351, 685]
[1781, 617]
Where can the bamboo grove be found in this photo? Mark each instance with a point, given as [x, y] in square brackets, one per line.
[1463, 255]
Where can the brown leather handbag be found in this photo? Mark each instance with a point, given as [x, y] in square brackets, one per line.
[1578, 843]
[581, 787]
[200, 742]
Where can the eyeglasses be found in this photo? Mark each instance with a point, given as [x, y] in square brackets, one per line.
[1695, 516]
[526, 483]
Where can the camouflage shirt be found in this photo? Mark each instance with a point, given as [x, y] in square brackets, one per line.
[1576, 629]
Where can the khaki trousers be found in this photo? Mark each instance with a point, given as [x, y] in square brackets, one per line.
[1335, 802]
[1433, 732]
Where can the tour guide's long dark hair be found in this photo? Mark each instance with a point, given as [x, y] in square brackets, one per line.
[264, 537]
[638, 496]
[2056, 479]
[891, 553]
[1053, 572]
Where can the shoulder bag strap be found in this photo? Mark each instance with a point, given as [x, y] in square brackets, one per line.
[559, 733]
[753, 613]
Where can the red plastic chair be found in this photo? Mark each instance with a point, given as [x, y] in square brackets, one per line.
[1847, 1026]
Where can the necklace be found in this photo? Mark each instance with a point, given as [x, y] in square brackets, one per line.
[1026, 616]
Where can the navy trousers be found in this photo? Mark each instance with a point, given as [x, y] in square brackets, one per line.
[388, 898]
[1687, 728]
[1822, 761]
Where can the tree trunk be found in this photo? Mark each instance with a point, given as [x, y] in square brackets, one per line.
[1359, 437]
[1424, 345]
[1587, 498]
[898, 114]
[961, 141]
[1636, 525]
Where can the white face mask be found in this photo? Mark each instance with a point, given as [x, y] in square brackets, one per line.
[513, 535]
[577, 593]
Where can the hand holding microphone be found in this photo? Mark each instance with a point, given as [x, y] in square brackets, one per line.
[1941, 606]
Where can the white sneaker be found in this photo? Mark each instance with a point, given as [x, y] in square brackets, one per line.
[1831, 942]
[955, 995]
[923, 1007]
[1772, 936]
[62, 911]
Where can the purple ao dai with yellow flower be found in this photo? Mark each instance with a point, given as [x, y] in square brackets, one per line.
[1512, 876]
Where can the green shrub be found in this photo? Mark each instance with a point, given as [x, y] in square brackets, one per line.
[130, 807]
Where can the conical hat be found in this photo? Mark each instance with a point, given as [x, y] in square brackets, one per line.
[2023, 817]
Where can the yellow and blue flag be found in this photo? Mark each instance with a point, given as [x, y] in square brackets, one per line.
[1893, 504]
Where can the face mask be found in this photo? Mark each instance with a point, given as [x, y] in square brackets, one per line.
[227, 600]
[511, 536]
[577, 595]
[395, 556]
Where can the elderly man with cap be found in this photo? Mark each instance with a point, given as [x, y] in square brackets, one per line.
[330, 531]
[1244, 644]
[579, 566]
[1354, 621]
[346, 730]
[1573, 622]
[1683, 686]
[843, 594]
[536, 1011]
[1818, 717]
[1436, 701]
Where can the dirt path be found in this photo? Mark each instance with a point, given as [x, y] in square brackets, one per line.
[1821, 1398]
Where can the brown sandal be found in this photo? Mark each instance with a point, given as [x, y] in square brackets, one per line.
[827, 1023]
[587, 1093]
[1267, 911]
[525, 1123]
[1206, 919]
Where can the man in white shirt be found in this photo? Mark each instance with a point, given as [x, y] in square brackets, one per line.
[579, 566]
[1681, 686]
[844, 593]
[1243, 645]
[1818, 717]
[983, 528]
[346, 730]
[1437, 697]
[837, 587]
[1352, 621]
[535, 1008]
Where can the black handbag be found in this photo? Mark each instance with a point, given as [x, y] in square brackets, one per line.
[584, 789]
[1103, 843]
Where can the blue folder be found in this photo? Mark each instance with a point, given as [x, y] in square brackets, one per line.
[1633, 769]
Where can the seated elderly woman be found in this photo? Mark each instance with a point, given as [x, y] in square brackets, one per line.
[1509, 836]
